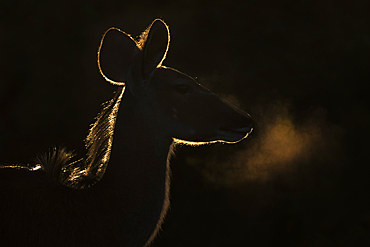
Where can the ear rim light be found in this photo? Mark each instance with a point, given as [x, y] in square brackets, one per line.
[116, 83]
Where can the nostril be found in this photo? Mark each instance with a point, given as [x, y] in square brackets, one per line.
[255, 126]
[250, 122]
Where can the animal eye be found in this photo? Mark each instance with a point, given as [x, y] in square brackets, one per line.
[184, 88]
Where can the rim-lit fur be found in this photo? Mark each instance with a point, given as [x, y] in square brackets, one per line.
[118, 193]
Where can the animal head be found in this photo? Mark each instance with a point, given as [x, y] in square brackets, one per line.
[187, 111]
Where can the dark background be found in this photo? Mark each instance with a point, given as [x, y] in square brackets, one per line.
[300, 68]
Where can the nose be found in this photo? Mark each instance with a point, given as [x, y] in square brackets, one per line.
[237, 128]
[249, 124]
[254, 128]
[244, 119]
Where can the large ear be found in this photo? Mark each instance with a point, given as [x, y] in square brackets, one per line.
[115, 55]
[156, 47]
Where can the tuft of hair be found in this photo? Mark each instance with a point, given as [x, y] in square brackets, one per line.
[89, 170]
[53, 161]
[141, 39]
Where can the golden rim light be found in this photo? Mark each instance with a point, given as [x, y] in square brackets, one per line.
[121, 83]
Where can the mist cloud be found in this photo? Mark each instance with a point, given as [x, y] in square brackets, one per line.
[284, 143]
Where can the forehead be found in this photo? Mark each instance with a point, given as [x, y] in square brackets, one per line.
[172, 76]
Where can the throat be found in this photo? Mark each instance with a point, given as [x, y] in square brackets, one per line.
[137, 137]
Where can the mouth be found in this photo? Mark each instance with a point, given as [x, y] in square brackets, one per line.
[233, 135]
[225, 135]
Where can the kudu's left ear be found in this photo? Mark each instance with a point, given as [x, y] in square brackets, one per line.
[155, 47]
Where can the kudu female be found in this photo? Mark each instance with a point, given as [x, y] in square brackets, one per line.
[90, 203]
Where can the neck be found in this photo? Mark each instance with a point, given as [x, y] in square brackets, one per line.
[136, 181]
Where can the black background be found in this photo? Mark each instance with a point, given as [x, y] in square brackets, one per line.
[299, 67]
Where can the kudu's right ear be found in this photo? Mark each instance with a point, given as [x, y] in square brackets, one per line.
[115, 55]
[155, 47]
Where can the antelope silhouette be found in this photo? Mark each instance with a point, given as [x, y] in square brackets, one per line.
[56, 201]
